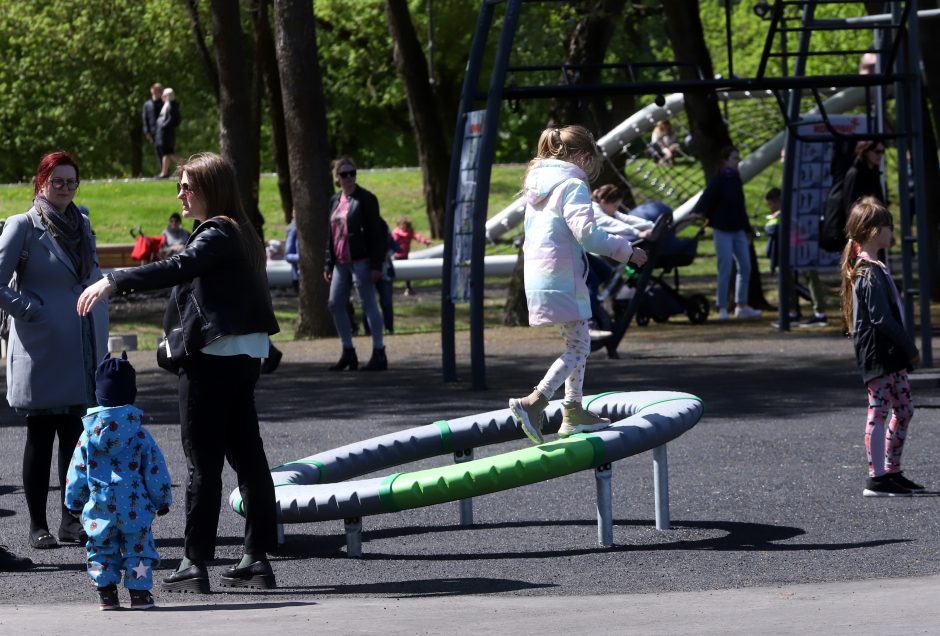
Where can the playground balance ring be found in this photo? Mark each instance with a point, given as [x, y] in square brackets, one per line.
[316, 488]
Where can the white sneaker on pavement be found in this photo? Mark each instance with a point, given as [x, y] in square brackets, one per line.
[722, 314]
[746, 311]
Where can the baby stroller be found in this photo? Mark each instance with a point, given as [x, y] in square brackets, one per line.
[660, 300]
[146, 248]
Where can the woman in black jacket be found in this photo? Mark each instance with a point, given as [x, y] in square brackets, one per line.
[355, 255]
[217, 323]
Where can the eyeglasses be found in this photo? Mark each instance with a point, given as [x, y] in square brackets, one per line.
[347, 174]
[184, 187]
[58, 184]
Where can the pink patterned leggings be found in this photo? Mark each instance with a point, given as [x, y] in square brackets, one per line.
[883, 445]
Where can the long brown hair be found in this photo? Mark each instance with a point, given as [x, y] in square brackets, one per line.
[574, 144]
[867, 216]
[213, 178]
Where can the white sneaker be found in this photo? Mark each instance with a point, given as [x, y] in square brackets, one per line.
[745, 311]
[599, 334]
[722, 314]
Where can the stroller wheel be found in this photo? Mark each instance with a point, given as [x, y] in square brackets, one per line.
[660, 318]
[696, 308]
[642, 320]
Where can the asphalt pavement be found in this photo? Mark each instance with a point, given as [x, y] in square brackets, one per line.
[768, 521]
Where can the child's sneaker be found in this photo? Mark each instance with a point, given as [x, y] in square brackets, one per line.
[141, 599]
[108, 598]
[576, 420]
[904, 482]
[884, 486]
[530, 413]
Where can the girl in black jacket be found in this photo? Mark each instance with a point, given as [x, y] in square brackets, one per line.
[217, 324]
[885, 352]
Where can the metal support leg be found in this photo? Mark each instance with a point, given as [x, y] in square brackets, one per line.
[605, 514]
[353, 537]
[280, 534]
[466, 505]
[661, 487]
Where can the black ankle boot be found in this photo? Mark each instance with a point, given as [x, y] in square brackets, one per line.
[378, 361]
[348, 359]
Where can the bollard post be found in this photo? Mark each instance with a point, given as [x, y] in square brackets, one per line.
[280, 534]
[353, 537]
[465, 505]
[661, 487]
[605, 514]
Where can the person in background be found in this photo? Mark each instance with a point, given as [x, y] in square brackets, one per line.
[151, 111]
[165, 137]
[217, 324]
[52, 352]
[291, 254]
[174, 236]
[403, 234]
[355, 255]
[665, 142]
[722, 205]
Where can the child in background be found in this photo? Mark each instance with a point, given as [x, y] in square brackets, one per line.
[403, 234]
[117, 481]
[174, 236]
[885, 352]
[559, 229]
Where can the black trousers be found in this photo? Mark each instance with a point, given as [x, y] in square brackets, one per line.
[218, 423]
[41, 431]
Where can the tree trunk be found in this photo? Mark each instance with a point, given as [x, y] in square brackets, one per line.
[709, 132]
[264, 41]
[516, 310]
[588, 45]
[238, 117]
[929, 33]
[309, 154]
[199, 36]
[424, 110]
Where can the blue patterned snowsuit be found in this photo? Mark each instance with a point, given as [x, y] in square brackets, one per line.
[119, 479]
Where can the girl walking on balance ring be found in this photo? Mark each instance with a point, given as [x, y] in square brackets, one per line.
[559, 230]
[885, 352]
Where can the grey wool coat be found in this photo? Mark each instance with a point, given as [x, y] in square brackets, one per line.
[45, 356]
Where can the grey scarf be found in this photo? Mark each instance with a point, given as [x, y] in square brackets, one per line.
[68, 230]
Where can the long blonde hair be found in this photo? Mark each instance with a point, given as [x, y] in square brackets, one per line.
[867, 216]
[574, 144]
[168, 96]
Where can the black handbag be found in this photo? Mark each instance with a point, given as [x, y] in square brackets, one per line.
[171, 350]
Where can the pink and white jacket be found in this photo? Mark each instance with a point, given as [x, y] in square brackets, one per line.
[559, 228]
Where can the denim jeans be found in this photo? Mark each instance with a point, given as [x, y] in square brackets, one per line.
[730, 245]
[345, 275]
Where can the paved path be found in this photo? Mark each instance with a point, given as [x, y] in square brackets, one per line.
[765, 493]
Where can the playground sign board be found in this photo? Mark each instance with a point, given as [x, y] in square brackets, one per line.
[463, 212]
[812, 180]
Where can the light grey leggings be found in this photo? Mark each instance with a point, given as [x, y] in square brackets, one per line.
[569, 367]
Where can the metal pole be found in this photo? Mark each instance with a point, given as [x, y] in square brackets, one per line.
[902, 95]
[474, 64]
[353, 537]
[924, 256]
[465, 505]
[480, 203]
[605, 514]
[280, 534]
[785, 279]
[661, 487]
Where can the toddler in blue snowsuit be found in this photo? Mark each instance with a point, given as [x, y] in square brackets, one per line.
[117, 481]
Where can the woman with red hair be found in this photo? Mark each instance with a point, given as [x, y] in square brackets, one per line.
[47, 257]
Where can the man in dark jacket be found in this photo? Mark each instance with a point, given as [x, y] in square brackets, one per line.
[151, 111]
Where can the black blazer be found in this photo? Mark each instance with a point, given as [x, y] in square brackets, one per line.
[882, 345]
[367, 233]
[216, 291]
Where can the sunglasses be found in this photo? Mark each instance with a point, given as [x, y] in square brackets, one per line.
[346, 174]
[184, 187]
[58, 184]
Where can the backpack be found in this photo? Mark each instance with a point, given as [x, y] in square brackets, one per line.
[832, 222]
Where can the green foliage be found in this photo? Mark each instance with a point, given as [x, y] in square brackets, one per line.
[75, 76]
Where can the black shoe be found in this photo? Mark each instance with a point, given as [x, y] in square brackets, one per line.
[194, 579]
[884, 486]
[348, 359]
[258, 576]
[378, 361]
[816, 320]
[904, 482]
[274, 358]
[108, 598]
[71, 532]
[42, 539]
[141, 599]
[9, 562]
